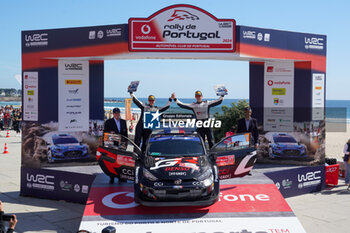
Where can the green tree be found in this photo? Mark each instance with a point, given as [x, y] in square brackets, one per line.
[229, 118]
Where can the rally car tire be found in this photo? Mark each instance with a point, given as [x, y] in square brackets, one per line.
[49, 157]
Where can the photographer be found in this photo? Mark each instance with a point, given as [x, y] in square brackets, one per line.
[12, 222]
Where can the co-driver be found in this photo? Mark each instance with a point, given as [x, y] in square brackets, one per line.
[201, 111]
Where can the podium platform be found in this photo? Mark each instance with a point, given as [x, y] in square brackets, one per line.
[243, 206]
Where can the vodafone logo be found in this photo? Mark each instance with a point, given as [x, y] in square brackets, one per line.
[126, 199]
[145, 29]
[26, 76]
[270, 82]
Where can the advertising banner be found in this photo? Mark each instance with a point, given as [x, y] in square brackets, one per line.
[318, 96]
[73, 95]
[128, 109]
[30, 96]
[201, 225]
[238, 206]
[298, 181]
[283, 40]
[54, 184]
[181, 28]
[79, 38]
[278, 96]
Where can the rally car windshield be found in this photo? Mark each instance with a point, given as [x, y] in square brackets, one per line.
[175, 146]
[284, 140]
[64, 140]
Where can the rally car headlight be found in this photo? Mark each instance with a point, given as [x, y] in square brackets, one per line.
[149, 175]
[205, 175]
[57, 149]
[207, 182]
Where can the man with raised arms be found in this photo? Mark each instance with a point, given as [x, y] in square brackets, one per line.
[201, 110]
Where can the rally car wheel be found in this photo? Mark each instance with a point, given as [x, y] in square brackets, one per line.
[270, 154]
[49, 157]
[136, 193]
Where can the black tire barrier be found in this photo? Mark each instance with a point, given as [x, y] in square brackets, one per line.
[331, 161]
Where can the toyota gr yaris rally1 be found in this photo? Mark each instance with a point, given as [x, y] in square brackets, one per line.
[176, 168]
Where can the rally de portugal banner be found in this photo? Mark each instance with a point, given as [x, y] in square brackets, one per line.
[181, 28]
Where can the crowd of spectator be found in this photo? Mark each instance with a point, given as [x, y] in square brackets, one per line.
[10, 118]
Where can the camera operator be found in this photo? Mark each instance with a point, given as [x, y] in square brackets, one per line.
[12, 222]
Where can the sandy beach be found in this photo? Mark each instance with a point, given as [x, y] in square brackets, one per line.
[335, 140]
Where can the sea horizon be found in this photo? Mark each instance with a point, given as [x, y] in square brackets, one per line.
[336, 110]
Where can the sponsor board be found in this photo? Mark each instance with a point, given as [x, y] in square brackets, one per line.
[30, 96]
[115, 206]
[54, 184]
[181, 28]
[278, 95]
[73, 96]
[318, 84]
[293, 182]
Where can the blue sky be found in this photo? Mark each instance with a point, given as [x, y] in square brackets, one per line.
[161, 77]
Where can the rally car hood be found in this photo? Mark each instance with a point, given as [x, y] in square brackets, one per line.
[178, 168]
[69, 146]
[291, 145]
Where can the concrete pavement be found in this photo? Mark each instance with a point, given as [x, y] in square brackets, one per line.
[327, 211]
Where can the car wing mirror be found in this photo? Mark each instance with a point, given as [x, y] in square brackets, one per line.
[213, 155]
[135, 156]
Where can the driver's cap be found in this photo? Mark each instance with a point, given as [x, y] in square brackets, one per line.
[151, 97]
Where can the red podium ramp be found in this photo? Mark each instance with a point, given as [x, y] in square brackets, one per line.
[242, 208]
